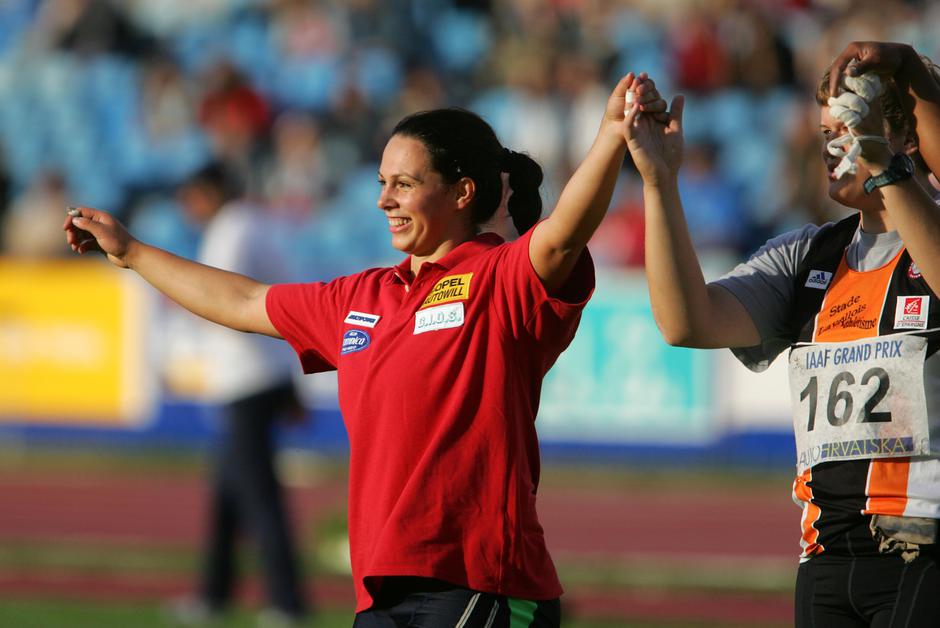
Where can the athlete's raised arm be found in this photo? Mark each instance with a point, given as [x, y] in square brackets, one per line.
[688, 311]
[222, 297]
[558, 241]
[908, 207]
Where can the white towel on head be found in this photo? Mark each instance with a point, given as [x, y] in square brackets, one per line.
[867, 85]
[850, 107]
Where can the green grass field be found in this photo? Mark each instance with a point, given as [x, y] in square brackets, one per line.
[62, 614]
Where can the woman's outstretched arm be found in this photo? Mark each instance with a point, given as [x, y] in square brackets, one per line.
[226, 298]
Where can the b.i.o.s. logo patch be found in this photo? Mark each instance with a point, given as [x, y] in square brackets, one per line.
[450, 288]
[355, 340]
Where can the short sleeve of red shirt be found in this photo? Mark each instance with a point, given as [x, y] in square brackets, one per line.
[306, 315]
[528, 308]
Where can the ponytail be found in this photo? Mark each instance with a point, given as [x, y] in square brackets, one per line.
[525, 177]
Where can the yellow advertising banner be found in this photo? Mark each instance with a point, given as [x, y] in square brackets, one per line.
[72, 344]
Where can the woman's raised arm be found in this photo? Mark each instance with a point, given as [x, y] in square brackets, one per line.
[688, 311]
[559, 240]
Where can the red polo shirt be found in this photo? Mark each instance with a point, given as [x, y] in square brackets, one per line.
[439, 383]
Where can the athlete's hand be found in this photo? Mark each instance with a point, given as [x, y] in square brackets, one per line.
[873, 125]
[656, 147]
[650, 101]
[95, 230]
[882, 58]
[642, 92]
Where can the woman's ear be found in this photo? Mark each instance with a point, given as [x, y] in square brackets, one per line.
[465, 190]
[912, 150]
[910, 143]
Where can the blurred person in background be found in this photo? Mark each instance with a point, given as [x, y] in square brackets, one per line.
[25, 232]
[166, 101]
[4, 202]
[234, 115]
[699, 52]
[91, 27]
[308, 29]
[868, 457]
[295, 171]
[758, 57]
[718, 220]
[618, 242]
[250, 377]
[581, 91]
[421, 89]
[163, 143]
[440, 359]
[528, 112]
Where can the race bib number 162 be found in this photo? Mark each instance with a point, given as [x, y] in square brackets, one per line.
[860, 399]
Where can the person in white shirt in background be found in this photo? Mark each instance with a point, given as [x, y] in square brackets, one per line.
[250, 378]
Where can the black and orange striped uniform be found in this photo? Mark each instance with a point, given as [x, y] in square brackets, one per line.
[837, 496]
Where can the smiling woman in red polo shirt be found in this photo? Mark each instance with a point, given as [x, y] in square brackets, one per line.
[440, 359]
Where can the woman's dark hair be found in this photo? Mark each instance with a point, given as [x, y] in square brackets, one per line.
[462, 144]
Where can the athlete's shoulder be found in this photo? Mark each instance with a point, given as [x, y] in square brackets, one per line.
[798, 236]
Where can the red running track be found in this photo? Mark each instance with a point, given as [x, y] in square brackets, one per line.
[658, 523]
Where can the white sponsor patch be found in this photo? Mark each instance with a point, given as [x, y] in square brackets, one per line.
[818, 279]
[362, 319]
[911, 313]
[439, 317]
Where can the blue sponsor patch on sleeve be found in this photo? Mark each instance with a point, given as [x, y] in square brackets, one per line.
[355, 340]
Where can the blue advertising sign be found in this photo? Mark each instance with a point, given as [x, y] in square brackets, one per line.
[620, 383]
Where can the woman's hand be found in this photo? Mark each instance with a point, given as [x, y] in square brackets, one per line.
[882, 58]
[95, 230]
[873, 125]
[641, 90]
[656, 147]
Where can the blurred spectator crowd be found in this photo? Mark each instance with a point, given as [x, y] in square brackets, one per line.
[113, 103]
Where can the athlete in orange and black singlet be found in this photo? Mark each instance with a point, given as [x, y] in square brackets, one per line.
[852, 301]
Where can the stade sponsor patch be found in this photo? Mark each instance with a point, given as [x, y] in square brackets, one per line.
[361, 318]
[448, 289]
[911, 312]
[355, 340]
[818, 279]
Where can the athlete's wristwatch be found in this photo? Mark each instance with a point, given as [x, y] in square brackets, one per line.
[900, 168]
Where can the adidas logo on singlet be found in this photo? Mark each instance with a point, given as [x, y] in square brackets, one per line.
[818, 279]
